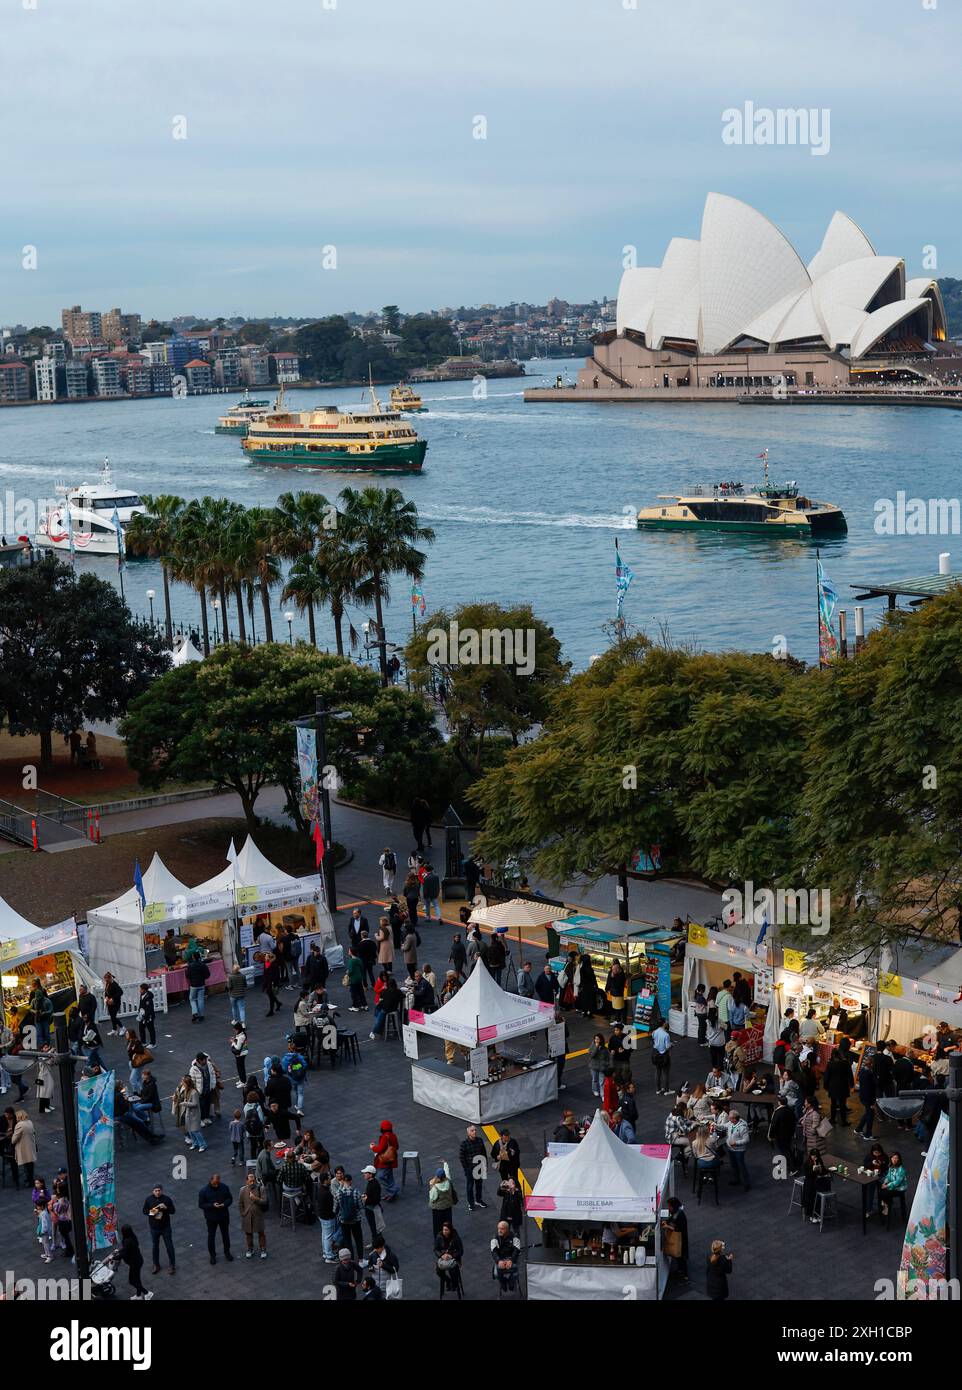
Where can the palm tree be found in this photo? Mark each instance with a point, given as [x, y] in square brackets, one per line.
[337, 565]
[306, 586]
[266, 567]
[154, 533]
[382, 530]
[217, 515]
[190, 561]
[299, 520]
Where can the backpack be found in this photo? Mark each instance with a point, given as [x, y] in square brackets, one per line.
[253, 1125]
[296, 1069]
[390, 863]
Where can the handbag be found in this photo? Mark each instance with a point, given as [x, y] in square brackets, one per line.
[392, 1288]
[671, 1244]
[346, 981]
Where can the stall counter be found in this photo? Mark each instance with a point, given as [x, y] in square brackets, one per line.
[443, 1088]
[175, 981]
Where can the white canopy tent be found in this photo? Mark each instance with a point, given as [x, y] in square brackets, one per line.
[480, 1015]
[482, 1012]
[21, 940]
[919, 990]
[600, 1180]
[251, 884]
[116, 930]
[726, 952]
[186, 652]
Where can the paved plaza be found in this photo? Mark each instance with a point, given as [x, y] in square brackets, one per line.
[778, 1256]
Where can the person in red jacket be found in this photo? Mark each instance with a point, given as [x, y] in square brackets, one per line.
[609, 1093]
[386, 1152]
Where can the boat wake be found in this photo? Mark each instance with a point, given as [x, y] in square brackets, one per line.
[492, 516]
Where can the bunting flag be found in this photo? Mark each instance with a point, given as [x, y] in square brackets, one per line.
[318, 838]
[121, 549]
[417, 598]
[623, 578]
[139, 883]
[827, 604]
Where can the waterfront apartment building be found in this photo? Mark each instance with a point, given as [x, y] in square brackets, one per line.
[45, 374]
[135, 374]
[227, 368]
[197, 373]
[56, 349]
[155, 352]
[117, 327]
[81, 325]
[255, 367]
[14, 382]
[179, 352]
[106, 372]
[161, 378]
[75, 376]
[287, 366]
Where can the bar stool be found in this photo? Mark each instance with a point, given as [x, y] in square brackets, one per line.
[288, 1208]
[826, 1208]
[679, 1155]
[455, 1275]
[796, 1198]
[347, 1047]
[891, 1203]
[411, 1156]
[392, 1020]
[706, 1175]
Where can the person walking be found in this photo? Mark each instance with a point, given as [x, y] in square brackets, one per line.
[371, 1201]
[719, 1269]
[348, 1277]
[431, 892]
[24, 1142]
[269, 983]
[411, 893]
[599, 1062]
[367, 950]
[90, 1043]
[781, 1129]
[386, 1150]
[867, 1094]
[239, 1050]
[506, 1153]
[158, 1209]
[198, 973]
[586, 987]
[251, 1206]
[204, 1077]
[441, 1197]
[723, 1003]
[237, 994]
[388, 866]
[661, 1057]
[473, 1157]
[215, 1201]
[700, 1007]
[129, 1253]
[355, 982]
[409, 949]
[113, 994]
[384, 940]
[146, 1026]
[421, 821]
[190, 1105]
[350, 1211]
[716, 1042]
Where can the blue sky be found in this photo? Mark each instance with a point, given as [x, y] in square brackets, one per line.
[309, 126]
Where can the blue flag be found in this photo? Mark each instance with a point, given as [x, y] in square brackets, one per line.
[139, 883]
[623, 577]
[761, 935]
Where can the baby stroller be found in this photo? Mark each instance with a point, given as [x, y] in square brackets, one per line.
[102, 1279]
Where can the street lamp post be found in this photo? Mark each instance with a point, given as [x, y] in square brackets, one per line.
[216, 607]
[289, 616]
[151, 596]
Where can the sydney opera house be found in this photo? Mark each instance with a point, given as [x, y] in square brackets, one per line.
[738, 308]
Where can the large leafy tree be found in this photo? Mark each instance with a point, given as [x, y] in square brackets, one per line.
[698, 753]
[69, 651]
[484, 698]
[230, 719]
[880, 819]
[383, 532]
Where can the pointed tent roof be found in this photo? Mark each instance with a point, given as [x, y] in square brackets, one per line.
[31, 940]
[482, 1011]
[12, 925]
[160, 886]
[186, 652]
[602, 1177]
[250, 870]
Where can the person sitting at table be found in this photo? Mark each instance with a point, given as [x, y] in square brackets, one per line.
[877, 1163]
[699, 1106]
[792, 1092]
[816, 1178]
[677, 1129]
[707, 1150]
[321, 1007]
[715, 1080]
[387, 1000]
[895, 1179]
[302, 1011]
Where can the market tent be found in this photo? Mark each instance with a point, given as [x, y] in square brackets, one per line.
[21, 940]
[116, 930]
[518, 913]
[601, 1179]
[186, 652]
[256, 885]
[482, 1012]
[918, 989]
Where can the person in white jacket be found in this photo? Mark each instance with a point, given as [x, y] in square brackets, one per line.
[204, 1077]
[388, 867]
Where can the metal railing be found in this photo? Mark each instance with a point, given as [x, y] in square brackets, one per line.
[35, 829]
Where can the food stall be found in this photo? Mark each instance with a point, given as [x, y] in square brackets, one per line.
[643, 952]
[712, 957]
[917, 992]
[496, 1069]
[28, 953]
[843, 1000]
[599, 1205]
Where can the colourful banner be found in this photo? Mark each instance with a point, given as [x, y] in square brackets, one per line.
[890, 984]
[793, 962]
[827, 604]
[95, 1119]
[307, 764]
[923, 1251]
[698, 936]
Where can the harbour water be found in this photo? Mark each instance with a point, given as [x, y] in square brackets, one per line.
[526, 501]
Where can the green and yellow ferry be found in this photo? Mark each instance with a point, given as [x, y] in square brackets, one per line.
[238, 418]
[406, 398]
[772, 509]
[366, 440]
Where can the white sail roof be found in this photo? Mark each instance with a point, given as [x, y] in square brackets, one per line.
[12, 925]
[843, 241]
[160, 886]
[482, 1011]
[601, 1178]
